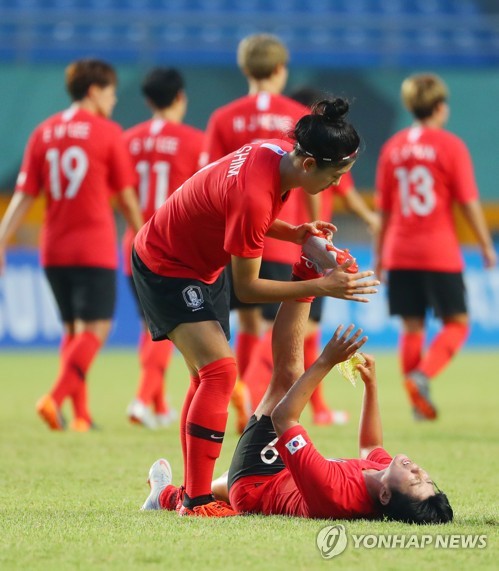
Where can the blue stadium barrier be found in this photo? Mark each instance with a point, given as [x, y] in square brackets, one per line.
[29, 319]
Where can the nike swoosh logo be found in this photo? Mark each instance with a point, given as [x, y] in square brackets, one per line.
[216, 437]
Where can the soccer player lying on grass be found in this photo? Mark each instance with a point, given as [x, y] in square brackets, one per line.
[276, 469]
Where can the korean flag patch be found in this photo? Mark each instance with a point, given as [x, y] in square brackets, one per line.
[296, 443]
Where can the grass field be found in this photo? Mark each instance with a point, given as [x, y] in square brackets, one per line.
[70, 501]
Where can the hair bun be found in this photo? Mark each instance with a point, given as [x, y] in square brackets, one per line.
[333, 110]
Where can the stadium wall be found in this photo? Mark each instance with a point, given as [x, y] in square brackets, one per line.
[28, 316]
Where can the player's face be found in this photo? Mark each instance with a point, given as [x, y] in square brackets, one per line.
[408, 478]
[318, 179]
[105, 99]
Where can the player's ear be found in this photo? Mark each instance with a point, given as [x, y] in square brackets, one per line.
[384, 495]
[309, 164]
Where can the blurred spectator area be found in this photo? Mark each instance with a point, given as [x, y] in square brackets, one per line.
[339, 33]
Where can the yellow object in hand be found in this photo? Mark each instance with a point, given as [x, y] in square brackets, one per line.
[348, 369]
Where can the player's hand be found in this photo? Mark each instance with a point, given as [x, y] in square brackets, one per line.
[342, 285]
[342, 345]
[489, 257]
[367, 370]
[315, 227]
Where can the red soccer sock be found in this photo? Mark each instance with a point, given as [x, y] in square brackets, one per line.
[410, 351]
[76, 361]
[191, 391]
[259, 371]
[66, 341]
[154, 358]
[443, 347]
[159, 400]
[168, 498]
[245, 345]
[206, 421]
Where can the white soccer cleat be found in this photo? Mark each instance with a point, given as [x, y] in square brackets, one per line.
[320, 251]
[164, 420]
[160, 476]
[139, 413]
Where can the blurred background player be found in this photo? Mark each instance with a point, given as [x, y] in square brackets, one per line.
[78, 160]
[165, 153]
[423, 171]
[262, 114]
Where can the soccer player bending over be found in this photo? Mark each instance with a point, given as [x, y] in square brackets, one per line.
[276, 469]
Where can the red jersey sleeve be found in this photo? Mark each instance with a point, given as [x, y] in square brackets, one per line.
[379, 455]
[121, 171]
[250, 208]
[317, 478]
[248, 219]
[382, 196]
[30, 178]
[463, 187]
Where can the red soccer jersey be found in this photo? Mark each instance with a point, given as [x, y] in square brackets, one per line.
[165, 155]
[317, 487]
[225, 209]
[78, 160]
[421, 173]
[252, 118]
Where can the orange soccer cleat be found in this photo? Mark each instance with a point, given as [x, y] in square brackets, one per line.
[50, 413]
[216, 508]
[417, 387]
[81, 425]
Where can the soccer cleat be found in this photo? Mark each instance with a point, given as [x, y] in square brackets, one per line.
[320, 250]
[304, 269]
[329, 417]
[139, 413]
[164, 419]
[217, 508]
[241, 402]
[50, 413]
[160, 476]
[81, 425]
[418, 389]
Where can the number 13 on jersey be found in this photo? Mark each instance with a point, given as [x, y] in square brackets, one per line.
[416, 190]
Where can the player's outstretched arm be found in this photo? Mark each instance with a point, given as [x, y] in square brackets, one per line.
[129, 207]
[19, 205]
[473, 213]
[370, 430]
[338, 283]
[341, 347]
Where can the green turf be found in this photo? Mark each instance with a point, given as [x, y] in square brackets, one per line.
[70, 501]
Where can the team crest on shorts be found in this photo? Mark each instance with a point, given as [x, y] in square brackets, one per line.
[193, 296]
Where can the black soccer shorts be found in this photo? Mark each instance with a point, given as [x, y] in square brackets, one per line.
[412, 292]
[167, 301]
[85, 293]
